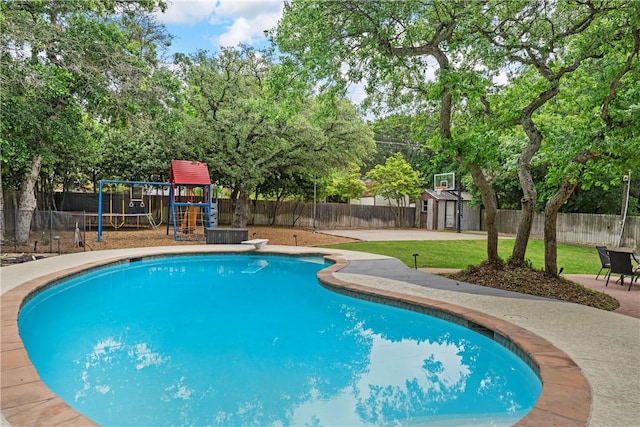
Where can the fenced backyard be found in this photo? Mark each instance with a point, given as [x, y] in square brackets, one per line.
[585, 229]
[80, 210]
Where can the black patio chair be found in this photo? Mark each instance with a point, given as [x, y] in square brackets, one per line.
[621, 264]
[604, 260]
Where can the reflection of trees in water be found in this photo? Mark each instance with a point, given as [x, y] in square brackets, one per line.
[455, 374]
[495, 385]
[427, 383]
[262, 363]
[312, 363]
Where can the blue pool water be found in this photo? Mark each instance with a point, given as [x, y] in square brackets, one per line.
[255, 340]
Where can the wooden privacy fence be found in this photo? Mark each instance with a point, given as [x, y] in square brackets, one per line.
[587, 229]
[261, 212]
[327, 215]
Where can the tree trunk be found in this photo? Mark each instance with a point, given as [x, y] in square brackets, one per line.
[94, 181]
[529, 192]
[273, 213]
[297, 213]
[568, 186]
[550, 240]
[1, 210]
[550, 224]
[524, 226]
[14, 200]
[64, 197]
[241, 212]
[28, 202]
[49, 192]
[396, 212]
[490, 206]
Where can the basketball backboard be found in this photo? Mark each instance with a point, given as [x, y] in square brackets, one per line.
[444, 181]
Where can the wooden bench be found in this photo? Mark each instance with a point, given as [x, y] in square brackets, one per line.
[258, 243]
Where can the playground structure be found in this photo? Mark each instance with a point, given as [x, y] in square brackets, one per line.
[126, 205]
[191, 208]
[192, 204]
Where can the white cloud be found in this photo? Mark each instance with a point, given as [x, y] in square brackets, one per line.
[248, 8]
[247, 30]
[231, 21]
[187, 12]
[502, 79]
[392, 366]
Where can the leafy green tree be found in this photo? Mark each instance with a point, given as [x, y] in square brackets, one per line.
[289, 183]
[240, 128]
[415, 59]
[394, 133]
[347, 184]
[142, 144]
[550, 43]
[252, 119]
[604, 198]
[593, 145]
[396, 180]
[441, 59]
[558, 48]
[58, 61]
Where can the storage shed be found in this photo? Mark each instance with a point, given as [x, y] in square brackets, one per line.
[439, 209]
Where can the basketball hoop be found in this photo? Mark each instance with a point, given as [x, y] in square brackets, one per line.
[443, 182]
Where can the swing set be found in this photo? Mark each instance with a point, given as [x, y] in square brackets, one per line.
[191, 204]
[121, 207]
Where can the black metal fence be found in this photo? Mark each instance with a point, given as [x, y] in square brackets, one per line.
[48, 231]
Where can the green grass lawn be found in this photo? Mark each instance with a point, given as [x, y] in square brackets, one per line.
[575, 259]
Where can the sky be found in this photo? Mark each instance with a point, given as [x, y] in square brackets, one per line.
[208, 24]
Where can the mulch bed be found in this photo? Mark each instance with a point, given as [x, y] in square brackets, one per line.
[533, 282]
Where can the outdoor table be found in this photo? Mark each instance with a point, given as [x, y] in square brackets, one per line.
[625, 249]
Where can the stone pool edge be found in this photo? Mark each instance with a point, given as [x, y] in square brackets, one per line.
[566, 397]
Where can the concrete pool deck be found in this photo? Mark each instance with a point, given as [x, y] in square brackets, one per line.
[605, 346]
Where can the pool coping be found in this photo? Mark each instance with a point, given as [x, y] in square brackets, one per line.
[566, 397]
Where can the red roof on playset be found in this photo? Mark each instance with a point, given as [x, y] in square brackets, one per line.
[186, 172]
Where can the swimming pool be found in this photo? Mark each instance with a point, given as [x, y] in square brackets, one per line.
[239, 339]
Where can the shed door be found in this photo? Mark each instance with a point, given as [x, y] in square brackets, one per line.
[450, 218]
[430, 208]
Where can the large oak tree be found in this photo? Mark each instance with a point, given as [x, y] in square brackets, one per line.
[414, 56]
[61, 62]
[252, 119]
[433, 58]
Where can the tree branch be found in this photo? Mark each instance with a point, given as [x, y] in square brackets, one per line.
[616, 81]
